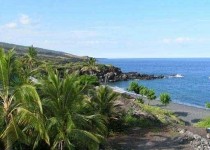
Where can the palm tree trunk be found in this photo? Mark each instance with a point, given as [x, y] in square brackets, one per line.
[9, 145]
[7, 119]
[60, 145]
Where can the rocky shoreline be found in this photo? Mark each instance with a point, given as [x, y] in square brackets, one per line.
[114, 74]
[196, 141]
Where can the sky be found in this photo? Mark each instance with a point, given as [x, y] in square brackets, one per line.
[110, 28]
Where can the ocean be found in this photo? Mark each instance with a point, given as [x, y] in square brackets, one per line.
[187, 82]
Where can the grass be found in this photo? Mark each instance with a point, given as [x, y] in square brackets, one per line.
[128, 120]
[165, 116]
[205, 123]
[131, 121]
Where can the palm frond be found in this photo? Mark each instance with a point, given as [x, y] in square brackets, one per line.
[12, 134]
[28, 95]
[34, 121]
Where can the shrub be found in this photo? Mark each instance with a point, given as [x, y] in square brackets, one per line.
[89, 80]
[134, 87]
[151, 95]
[204, 123]
[140, 100]
[207, 104]
[131, 121]
[141, 87]
[164, 116]
[165, 98]
[144, 91]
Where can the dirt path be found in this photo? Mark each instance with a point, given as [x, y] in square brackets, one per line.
[147, 139]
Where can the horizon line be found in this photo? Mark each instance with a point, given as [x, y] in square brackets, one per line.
[153, 58]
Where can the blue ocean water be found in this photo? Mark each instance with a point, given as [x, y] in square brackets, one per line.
[191, 89]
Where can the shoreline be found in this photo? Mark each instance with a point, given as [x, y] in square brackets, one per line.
[189, 114]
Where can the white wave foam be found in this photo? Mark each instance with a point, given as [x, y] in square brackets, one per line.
[118, 89]
[122, 90]
[176, 76]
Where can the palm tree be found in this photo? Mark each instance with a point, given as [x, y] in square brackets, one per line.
[20, 107]
[134, 86]
[151, 95]
[90, 66]
[30, 67]
[30, 57]
[165, 98]
[64, 104]
[103, 101]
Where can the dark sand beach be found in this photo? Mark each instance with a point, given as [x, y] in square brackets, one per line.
[188, 114]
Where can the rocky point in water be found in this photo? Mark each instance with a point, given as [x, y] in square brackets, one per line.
[114, 74]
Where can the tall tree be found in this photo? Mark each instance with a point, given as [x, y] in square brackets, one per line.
[30, 58]
[68, 125]
[102, 100]
[90, 66]
[20, 105]
[30, 65]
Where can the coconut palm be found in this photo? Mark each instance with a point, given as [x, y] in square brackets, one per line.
[151, 95]
[90, 66]
[30, 57]
[29, 66]
[20, 106]
[103, 101]
[134, 86]
[68, 125]
[165, 98]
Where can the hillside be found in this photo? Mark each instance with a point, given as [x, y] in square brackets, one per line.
[44, 53]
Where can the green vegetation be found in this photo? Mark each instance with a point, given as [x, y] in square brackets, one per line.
[151, 95]
[131, 121]
[44, 54]
[207, 104]
[64, 102]
[140, 100]
[165, 116]
[21, 108]
[90, 66]
[165, 98]
[48, 105]
[134, 87]
[45, 108]
[144, 91]
[205, 123]
[156, 117]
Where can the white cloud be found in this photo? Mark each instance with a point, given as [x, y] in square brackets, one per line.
[11, 25]
[24, 19]
[20, 22]
[183, 40]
